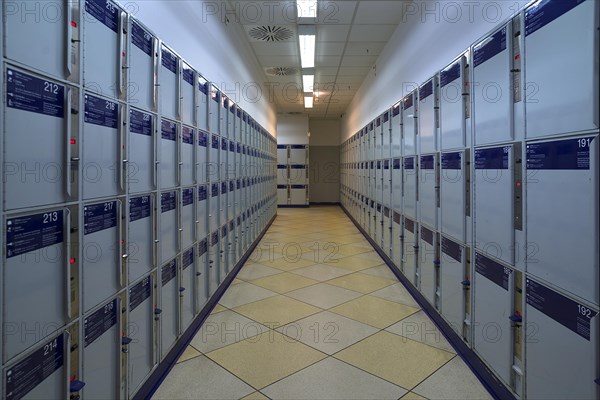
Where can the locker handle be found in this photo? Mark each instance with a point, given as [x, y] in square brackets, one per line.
[157, 311]
[466, 283]
[76, 386]
[120, 66]
[154, 156]
[516, 318]
[69, 37]
[125, 340]
[68, 148]
[154, 74]
[119, 244]
[121, 144]
[68, 262]
[67, 358]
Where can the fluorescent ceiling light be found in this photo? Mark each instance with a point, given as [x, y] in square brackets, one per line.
[307, 50]
[308, 102]
[307, 8]
[308, 82]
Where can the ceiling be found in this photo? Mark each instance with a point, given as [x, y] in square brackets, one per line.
[350, 37]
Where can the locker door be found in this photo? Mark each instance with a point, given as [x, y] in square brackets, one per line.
[140, 237]
[223, 203]
[297, 154]
[188, 217]
[202, 160]
[282, 194]
[202, 212]
[231, 167]
[282, 174]
[565, 334]
[410, 251]
[223, 159]
[562, 182]
[141, 355]
[103, 144]
[224, 116]
[141, 168]
[38, 111]
[386, 143]
[102, 352]
[452, 269]
[379, 181]
[102, 262]
[231, 200]
[202, 103]
[213, 263]
[561, 105]
[214, 122]
[169, 163]
[428, 103]
[186, 289]
[387, 184]
[428, 262]
[169, 88]
[188, 106]
[453, 194]
[213, 215]
[397, 234]
[223, 262]
[103, 48]
[232, 121]
[386, 230]
[410, 187]
[453, 105]
[36, 256]
[202, 276]
[428, 190]
[298, 174]
[397, 184]
[409, 127]
[169, 302]
[141, 70]
[378, 138]
[187, 164]
[492, 304]
[169, 227]
[213, 169]
[282, 154]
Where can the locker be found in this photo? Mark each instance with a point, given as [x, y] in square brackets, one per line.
[453, 283]
[141, 356]
[378, 224]
[429, 190]
[202, 160]
[213, 110]
[397, 235]
[141, 168]
[282, 154]
[232, 121]
[213, 262]
[140, 236]
[223, 202]
[169, 306]
[282, 194]
[378, 138]
[454, 104]
[298, 194]
[230, 173]
[454, 183]
[223, 259]
[282, 174]
[188, 217]
[223, 159]
[188, 105]
[378, 195]
[563, 332]
[102, 265]
[492, 309]
[397, 184]
[386, 140]
[238, 124]
[213, 207]
[213, 167]
[410, 251]
[556, 105]
[169, 226]
[231, 200]
[387, 184]
[562, 181]
[169, 83]
[224, 116]
[428, 118]
[202, 105]
[187, 164]
[386, 231]
[202, 212]
[428, 264]
[47, 168]
[202, 276]
[410, 187]
[169, 163]
[186, 288]
[409, 125]
[298, 174]
[141, 68]
[102, 352]
[103, 143]
[36, 256]
[298, 154]
[103, 48]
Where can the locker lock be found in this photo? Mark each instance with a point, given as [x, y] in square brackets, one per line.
[157, 312]
[198, 273]
[516, 318]
[181, 290]
[76, 386]
[466, 284]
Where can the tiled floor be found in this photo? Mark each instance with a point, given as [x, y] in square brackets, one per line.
[315, 314]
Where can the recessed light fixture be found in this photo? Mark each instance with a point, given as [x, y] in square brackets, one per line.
[307, 50]
[307, 8]
[308, 83]
[308, 102]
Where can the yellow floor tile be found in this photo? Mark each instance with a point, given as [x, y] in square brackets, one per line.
[277, 310]
[189, 353]
[218, 308]
[237, 282]
[267, 360]
[283, 283]
[356, 263]
[374, 311]
[412, 396]
[351, 250]
[398, 360]
[361, 283]
[255, 396]
[288, 264]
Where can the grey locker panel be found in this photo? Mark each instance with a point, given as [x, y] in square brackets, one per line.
[452, 270]
[201, 289]
[298, 154]
[223, 156]
[141, 90]
[222, 248]
[397, 184]
[452, 105]
[187, 288]
[378, 139]
[169, 163]
[140, 237]
[562, 333]
[224, 116]
[427, 262]
[562, 181]
[427, 117]
[214, 153]
[494, 202]
[188, 217]
[282, 174]
[282, 194]
[169, 83]
[410, 187]
[556, 105]
[141, 173]
[202, 211]
[202, 103]
[102, 148]
[103, 47]
[231, 166]
[188, 107]
[492, 309]
[214, 122]
[187, 164]
[102, 352]
[202, 160]
[169, 304]
[409, 125]
[453, 195]
[32, 170]
[213, 262]
[282, 154]
[223, 202]
[102, 262]
[169, 227]
[410, 251]
[491, 78]
[298, 174]
[140, 329]
[298, 194]
[35, 258]
[386, 144]
[378, 181]
[386, 231]
[213, 207]
[397, 234]
[428, 190]
[387, 184]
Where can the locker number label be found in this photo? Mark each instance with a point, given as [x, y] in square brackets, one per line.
[33, 232]
[99, 322]
[28, 93]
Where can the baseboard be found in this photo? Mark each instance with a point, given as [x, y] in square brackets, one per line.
[293, 206]
[325, 203]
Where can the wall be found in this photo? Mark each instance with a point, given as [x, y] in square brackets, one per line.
[292, 129]
[324, 177]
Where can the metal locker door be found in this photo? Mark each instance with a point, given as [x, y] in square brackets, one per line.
[223, 266]
[37, 257]
[223, 203]
[562, 350]
[224, 116]
[214, 122]
[428, 105]
[213, 263]
[387, 143]
[213, 168]
[213, 215]
[140, 329]
[103, 48]
[410, 251]
[232, 121]
[169, 163]
[379, 181]
[282, 154]
[201, 289]
[169, 227]
[297, 174]
[41, 374]
[141, 68]
[452, 289]
[409, 125]
[386, 230]
[428, 190]
[102, 265]
[397, 234]
[102, 352]
[202, 163]
[169, 302]
[282, 194]
[297, 154]
[202, 212]
[410, 187]
[453, 195]
[378, 139]
[556, 105]
[397, 184]
[187, 163]
[38, 111]
[202, 103]
[231, 167]
[282, 174]
[428, 262]
[169, 88]
[140, 237]
[141, 167]
[188, 218]
[186, 289]
[188, 105]
[231, 200]
[562, 182]
[223, 159]
[103, 145]
[453, 105]
[492, 309]
[387, 184]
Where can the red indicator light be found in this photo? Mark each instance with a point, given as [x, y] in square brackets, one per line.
[72, 141]
[518, 184]
[517, 57]
[123, 54]
[74, 24]
[122, 241]
[72, 378]
[72, 261]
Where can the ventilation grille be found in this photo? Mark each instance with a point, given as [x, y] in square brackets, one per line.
[281, 71]
[271, 33]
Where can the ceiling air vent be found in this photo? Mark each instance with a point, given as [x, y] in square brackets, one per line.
[281, 71]
[271, 33]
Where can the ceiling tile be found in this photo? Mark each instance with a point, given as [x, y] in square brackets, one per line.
[349, 79]
[336, 12]
[327, 71]
[358, 61]
[371, 33]
[332, 33]
[380, 12]
[327, 61]
[259, 12]
[330, 48]
[279, 61]
[364, 48]
[275, 48]
[354, 71]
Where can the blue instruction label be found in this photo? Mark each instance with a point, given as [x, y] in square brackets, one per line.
[168, 272]
[168, 201]
[168, 130]
[104, 11]
[140, 292]
[542, 12]
[568, 154]
[202, 138]
[98, 217]
[139, 208]
[188, 196]
[100, 321]
[140, 122]
[452, 249]
[101, 112]
[141, 39]
[187, 135]
[492, 270]
[202, 192]
[188, 74]
[427, 162]
[187, 258]
[452, 160]
[493, 158]
[489, 47]
[426, 90]
[169, 60]
[450, 74]
[33, 232]
[29, 93]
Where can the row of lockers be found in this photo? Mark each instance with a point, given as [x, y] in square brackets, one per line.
[292, 195]
[292, 175]
[292, 154]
